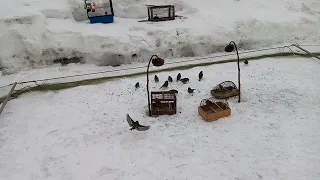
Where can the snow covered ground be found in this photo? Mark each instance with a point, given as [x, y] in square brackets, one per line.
[34, 33]
[81, 133]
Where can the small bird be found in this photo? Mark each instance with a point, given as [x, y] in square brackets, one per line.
[208, 102]
[136, 125]
[156, 79]
[246, 62]
[165, 85]
[137, 85]
[178, 77]
[200, 75]
[190, 90]
[170, 79]
[173, 90]
[184, 80]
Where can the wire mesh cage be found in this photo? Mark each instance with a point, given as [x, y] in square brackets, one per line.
[163, 102]
[225, 90]
[161, 13]
[211, 110]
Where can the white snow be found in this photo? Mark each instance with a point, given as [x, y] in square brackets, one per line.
[81, 133]
[34, 33]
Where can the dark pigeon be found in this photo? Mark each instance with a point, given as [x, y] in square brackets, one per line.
[136, 125]
[178, 77]
[190, 90]
[156, 79]
[170, 79]
[165, 85]
[200, 75]
[137, 85]
[184, 80]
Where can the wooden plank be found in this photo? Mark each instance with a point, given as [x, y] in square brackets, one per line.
[218, 106]
[212, 109]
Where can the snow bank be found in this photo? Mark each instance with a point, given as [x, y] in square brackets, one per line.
[36, 33]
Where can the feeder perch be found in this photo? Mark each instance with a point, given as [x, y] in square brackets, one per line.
[211, 110]
[225, 90]
[160, 13]
[163, 103]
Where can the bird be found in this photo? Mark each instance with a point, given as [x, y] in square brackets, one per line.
[184, 80]
[178, 77]
[190, 90]
[136, 125]
[246, 62]
[170, 79]
[200, 75]
[165, 85]
[137, 85]
[208, 102]
[156, 79]
[173, 90]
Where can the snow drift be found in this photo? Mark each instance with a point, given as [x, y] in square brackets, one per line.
[36, 33]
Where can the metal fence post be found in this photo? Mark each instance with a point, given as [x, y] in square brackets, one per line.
[7, 98]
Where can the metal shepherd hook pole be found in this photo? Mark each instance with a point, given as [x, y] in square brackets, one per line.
[229, 48]
[156, 61]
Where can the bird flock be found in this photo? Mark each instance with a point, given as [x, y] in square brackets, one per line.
[178, 79]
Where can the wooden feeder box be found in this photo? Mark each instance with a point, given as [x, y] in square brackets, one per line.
[213, 110]
[160, 13]
[225, 90]
[163, 103]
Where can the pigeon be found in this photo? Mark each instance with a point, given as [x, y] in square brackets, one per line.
[165, 85]
[156, 79]
[170, 79]
[173, 90]
[178, 77]
[184, 80]
[136, 125]
[200, 75]
[246, 62]
[137, 85]
[208, 102]
[190, 90]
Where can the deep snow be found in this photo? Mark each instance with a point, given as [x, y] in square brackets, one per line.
[81, 133]
[34, 33]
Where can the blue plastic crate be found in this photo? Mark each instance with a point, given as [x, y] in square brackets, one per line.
[101, 19]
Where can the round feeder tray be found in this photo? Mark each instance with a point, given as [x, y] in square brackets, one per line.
[225, 90]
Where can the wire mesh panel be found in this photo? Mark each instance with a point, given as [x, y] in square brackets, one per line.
[161, 13]
[163, 102]
[163, 96]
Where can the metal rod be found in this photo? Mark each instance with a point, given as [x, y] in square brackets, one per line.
[297, 46]
[239, 83]
[7, 98]
[149, 108]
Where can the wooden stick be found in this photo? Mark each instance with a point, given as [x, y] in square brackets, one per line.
[218, 106]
